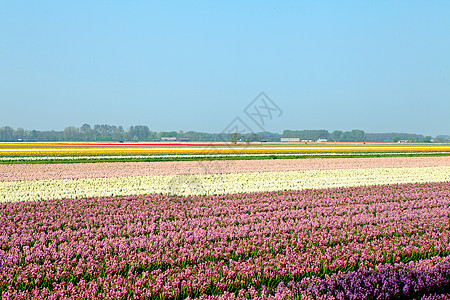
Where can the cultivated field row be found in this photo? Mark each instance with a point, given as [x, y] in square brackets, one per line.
[123, 169]
[215, 184]
[30, 151]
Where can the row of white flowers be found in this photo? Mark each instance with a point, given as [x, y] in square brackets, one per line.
[102, 157]
[14, 191]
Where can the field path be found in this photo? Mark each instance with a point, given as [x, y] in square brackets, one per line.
[14, 172]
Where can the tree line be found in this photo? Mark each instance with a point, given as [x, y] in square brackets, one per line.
[354, 136]
[118, 133]
[83, 133]
[142, 133]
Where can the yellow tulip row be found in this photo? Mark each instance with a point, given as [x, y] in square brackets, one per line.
[33, 190]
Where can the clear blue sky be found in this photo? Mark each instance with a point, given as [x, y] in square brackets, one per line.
[379, 66]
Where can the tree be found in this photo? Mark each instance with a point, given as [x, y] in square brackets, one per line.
[169, 134]
[20, 133]
[396, 139]
[357, 135]
[119, 133]
[234, 137]
[255, 138]
[86, 132]
[336, 135]
[346, 136]
[34, 135]
[6, 133]
[139, 133]
[71, 133]
[427, 139]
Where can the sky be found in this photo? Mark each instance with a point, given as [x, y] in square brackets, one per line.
[379, 66]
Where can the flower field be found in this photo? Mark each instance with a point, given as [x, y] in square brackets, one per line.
[375, 242]
[325, 228]
[73, 151]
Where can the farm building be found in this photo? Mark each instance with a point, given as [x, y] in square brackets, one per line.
[290, 140]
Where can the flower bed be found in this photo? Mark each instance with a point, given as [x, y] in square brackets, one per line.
[122, 169]
[215, 184]
[269, 245]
